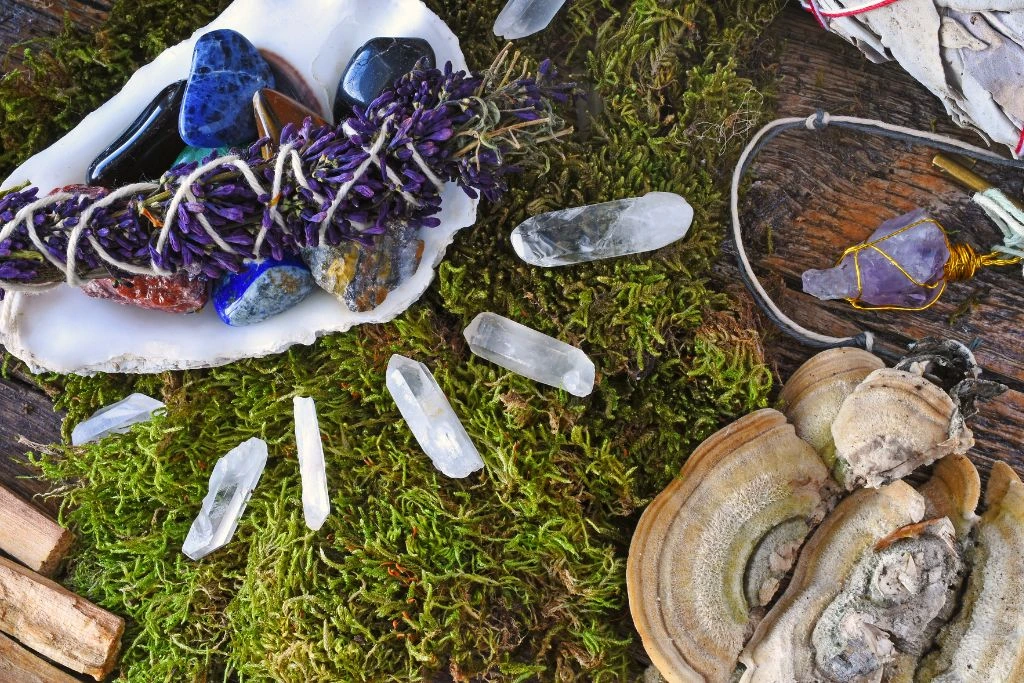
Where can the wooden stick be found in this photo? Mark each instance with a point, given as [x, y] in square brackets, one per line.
[56, 623]
[18, 665]
[31, 537]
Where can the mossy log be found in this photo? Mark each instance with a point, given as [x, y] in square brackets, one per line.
[27, 19]
[26, 412]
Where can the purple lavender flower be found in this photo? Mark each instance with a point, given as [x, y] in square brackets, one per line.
[432, 125]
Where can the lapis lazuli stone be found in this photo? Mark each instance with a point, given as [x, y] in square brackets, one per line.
[261, 291]
[227, 70]
[146, 149]
[375, 68]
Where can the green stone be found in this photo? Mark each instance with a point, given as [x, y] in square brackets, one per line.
[198, 154]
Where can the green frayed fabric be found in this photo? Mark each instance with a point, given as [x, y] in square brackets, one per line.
[515, 574]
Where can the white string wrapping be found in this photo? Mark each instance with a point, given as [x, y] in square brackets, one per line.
[185, 193]
[372, 157]
[288, 159]
[27, 215]
[83, 220]
[1007, 216]
[438, 183]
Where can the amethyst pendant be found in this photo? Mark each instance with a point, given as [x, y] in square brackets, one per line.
[902, 265]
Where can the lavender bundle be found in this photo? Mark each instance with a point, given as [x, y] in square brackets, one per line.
[324, 185]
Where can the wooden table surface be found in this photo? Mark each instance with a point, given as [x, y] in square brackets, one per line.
[812, 195]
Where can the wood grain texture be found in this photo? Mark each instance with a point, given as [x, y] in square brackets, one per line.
[20, 23]
[31, 537]
[26, 414]
[811, 195]
[18, 665]
[56, 623]
[23, 20]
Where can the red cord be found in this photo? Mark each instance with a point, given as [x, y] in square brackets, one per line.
[1020, 144]
[839, 14]
[812, 7]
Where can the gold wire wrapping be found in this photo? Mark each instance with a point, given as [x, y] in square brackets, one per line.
[964, 262]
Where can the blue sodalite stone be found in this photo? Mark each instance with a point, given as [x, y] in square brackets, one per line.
[146, 149]
[261, 291]
[227, 70]
[375, 67]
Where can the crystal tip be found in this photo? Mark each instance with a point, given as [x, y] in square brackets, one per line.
[517, 244]
[580, 382]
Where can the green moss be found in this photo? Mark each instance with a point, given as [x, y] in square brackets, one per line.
[515, 574]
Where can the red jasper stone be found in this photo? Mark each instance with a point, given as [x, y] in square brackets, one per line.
[176, 294]
[90, 191]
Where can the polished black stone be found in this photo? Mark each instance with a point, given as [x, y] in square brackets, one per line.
[375, 67]
[149, 146]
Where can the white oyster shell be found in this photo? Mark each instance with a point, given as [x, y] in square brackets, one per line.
[63, 330]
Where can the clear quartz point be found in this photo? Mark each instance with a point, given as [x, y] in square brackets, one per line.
[115, 419]
[430, 417]
[600, 231]
[316, 501]
[232, 482]
[522, 18]
[531, 353]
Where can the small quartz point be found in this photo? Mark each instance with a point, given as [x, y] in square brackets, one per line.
[922, 251]
[522, 18]
[316, 501]
[115, 419]
[233, 480]
[431, 418]
[600, 231]
[530, 353]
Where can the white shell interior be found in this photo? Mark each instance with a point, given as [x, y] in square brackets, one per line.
[63, 330]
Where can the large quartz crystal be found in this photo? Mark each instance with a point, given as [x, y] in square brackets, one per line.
[600, 231]
[909, 245]
[530, 353]
[232, 482]
[431, 418]
[316, 501]
[522, 18]
[115, 419]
